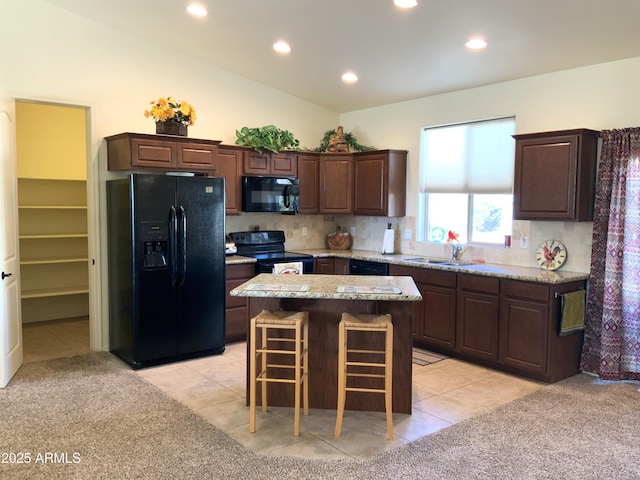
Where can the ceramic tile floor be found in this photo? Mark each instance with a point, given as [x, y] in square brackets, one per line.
[444, 393]
[55, 339]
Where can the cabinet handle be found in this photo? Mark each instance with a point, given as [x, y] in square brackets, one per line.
[6, 275]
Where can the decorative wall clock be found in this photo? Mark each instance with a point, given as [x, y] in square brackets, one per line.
[551, 254]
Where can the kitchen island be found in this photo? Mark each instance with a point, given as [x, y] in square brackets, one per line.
[326, 297]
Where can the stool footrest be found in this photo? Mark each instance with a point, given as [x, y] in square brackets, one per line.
[367, 375]
[278, 352]
[281, 340]
[370, 390]
[278, 380]
[368, 352]
[364, 364]
[277, 365]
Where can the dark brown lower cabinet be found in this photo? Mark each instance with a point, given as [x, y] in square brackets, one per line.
[529, 323]
[236, 307]
[477, 318]
[510, 325]
[323, 265]
[331, 266]
[434, 319]
[524, 325]
[341, 266]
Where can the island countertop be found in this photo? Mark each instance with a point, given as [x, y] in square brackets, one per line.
[338, 287]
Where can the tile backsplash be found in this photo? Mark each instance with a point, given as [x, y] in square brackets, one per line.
[368, 233]
[317, 227]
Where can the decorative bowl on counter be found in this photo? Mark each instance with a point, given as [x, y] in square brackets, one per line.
[339, 240]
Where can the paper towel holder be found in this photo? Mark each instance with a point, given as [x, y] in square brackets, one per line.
[388, 246]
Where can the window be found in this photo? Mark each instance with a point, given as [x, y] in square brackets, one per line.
[466, 181]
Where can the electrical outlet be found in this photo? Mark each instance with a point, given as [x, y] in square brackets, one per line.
[407, 233]
[524, 243]
[304, 231]
[353, 231]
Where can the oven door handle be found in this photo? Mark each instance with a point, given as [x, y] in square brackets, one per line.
[267, 266]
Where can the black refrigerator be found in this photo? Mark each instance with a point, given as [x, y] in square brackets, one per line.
[166, 248]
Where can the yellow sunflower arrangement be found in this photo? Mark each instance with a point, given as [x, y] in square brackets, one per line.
[170, 110]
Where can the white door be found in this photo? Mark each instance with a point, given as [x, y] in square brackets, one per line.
[10, 313]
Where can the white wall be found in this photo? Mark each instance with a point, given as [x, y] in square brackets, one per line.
[598, 97]
[51, 55]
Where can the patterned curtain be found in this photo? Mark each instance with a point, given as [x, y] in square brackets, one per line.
[612, 326]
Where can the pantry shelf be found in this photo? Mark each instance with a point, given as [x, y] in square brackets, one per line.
[52, 260]
[54, 257]
[55, 292]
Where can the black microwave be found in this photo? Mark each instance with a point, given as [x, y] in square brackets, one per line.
[270, 194]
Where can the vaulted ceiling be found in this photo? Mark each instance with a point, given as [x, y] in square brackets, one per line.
[397, 54]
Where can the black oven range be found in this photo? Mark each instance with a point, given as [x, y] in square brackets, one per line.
[267, 247]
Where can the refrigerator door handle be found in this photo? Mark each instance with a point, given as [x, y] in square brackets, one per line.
[183, 245]
[173, 235]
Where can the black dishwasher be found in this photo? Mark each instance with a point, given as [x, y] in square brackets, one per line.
[368, 267]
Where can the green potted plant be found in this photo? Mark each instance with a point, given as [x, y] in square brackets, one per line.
[269, 138]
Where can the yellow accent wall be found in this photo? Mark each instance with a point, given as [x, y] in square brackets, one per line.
[51, 141]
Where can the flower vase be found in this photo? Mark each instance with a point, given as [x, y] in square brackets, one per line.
[171, 128]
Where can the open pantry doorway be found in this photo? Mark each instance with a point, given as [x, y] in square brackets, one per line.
[51, 150]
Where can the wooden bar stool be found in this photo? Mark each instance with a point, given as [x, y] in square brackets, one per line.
[271, 350]
[350, 368]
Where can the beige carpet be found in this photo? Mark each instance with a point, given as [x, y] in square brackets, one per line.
[92, 418]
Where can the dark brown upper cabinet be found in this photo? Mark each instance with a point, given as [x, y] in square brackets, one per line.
[138, 151]
[555, 175]
[336, 183]
[380, 183]
[308, 173]
[230, 161]
[281, 164]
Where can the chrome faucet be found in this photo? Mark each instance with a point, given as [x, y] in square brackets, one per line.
[456, 250]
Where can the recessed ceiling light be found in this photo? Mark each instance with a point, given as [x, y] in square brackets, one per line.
[476, 44]
[197, 10]
[281, 47]
[405, 3]
[349, 77]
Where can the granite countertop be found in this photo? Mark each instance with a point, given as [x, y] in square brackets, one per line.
[528, 274]
[514, 272]
[337, 287]
[237, 259]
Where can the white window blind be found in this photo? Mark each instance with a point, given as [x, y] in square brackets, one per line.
[475, 157]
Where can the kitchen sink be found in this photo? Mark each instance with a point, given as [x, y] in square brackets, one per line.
[459, 263]
[439, 261]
